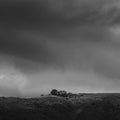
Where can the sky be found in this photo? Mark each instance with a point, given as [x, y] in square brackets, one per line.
[71, 45]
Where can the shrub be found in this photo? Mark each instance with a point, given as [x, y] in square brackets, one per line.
[54, 92]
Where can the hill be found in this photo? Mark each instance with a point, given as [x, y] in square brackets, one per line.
[80, 107]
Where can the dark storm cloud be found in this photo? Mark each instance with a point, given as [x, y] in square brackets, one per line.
[59, 43]
[23, 45]
[28, 13]
[48, 19]
[39, 13]
[33, 29]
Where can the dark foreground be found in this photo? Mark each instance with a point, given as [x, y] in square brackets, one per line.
[81, 107]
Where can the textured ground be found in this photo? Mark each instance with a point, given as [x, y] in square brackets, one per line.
[81, 107]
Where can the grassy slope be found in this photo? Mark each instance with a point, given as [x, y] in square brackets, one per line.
[81, 107]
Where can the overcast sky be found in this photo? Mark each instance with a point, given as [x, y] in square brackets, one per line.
[71, 45]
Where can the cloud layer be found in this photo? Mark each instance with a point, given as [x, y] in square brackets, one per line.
[52, 13]
[12, 80]
[72, 44]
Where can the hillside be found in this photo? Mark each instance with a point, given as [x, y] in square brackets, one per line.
[80, 107]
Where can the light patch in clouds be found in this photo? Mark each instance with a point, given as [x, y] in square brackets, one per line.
[11, 79]
[116, 31]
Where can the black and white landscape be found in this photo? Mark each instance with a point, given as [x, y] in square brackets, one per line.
[71, 45]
